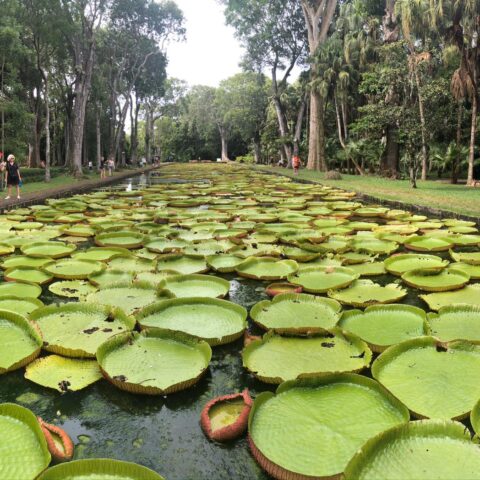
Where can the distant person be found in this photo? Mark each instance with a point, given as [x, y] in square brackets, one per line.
[102, 168]
[12, 176]
[2, 171]
[296, 164]
[110, 166]
[90, 165]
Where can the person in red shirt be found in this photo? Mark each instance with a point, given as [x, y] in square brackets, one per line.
[296, 163]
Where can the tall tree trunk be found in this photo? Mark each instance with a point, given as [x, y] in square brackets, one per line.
[148, 119]
[456, 161]
[283, 126]
[98, 136]
[316, 147]
[224, 140]
[473, 136]
[47, 127]
[391, 30]
[2, 119]
[135, 111]
[390, 160]
[257, 151]
[298, 126]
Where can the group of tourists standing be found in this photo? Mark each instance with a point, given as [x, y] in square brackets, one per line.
[10, 175]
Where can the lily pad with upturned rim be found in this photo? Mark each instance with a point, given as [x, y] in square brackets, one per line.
[296, 313]
[27, 274]
[24, 261]
[436, 280]
[182, 264]
[384, 325]
[276, 359]
[125, 239]
[106, 278]
[428, 243]
[24, 449]
[195, 285]
[22, 306]
[472, 258]
[72, 288]
[323, 279]
[363, 293]
[48, 249]
[469, 295]
[153, 362]
[77, 329]
[72, 269]
[423, 449]
[20, 342]
[99, 468]
[311, 428]
[20, 289]
[456, 322]
[63, 374]
[423, 373]
[266, 268]
[213, 320]
[400, 264]
[101, 254]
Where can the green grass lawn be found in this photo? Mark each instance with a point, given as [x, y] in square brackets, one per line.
[60, 181]
[434, 194]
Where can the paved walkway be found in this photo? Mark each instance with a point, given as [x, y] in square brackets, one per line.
[63, 191]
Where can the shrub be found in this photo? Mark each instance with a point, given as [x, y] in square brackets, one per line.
[333, 175]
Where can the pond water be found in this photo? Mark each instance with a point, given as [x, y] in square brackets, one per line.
[162, 433]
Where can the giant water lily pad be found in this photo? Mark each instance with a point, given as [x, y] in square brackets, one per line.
[312, 427]
[436, 281]
[456, 322]
[469, 295]
[425, 449]
[363, 293]
[424, 374]
[224, 263]
[20, 289]
[99, 468]
[296, 313]
[27, 274]
[77, 329]
[24, 261]
[472, 270]
[368, 269]
[182, 264]
[24, 449]
[322, 279]
[399, 264]
[20, 342]
[22, 306]
[211, 319]
[384, 325]
[266, 268]
[132, 264]
[275, 359]
[106, 278]
[428, 244]
[72, 288]
[73, 269]
[472, 258]
[63, 374]
[195, 286]
[374, 245]
[47, 249]
[129, 297]
[153, 362]
[101, 254]
[120, 239]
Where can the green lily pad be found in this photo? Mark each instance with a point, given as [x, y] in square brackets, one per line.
[163, 245]
[6, 249]
[20, 342]
[384, 325]
[456, 322]
[73, 269]
[312, 427]
[472, 270]
[101, 254]
[47, 249]
[196, 285]
[124, 239]
[177, 361]
[63, 374]
[224, 263]
[425, 449]
[275, 359]
[77, 329]
[72, 288]
[22, 306]
[99, 468]
[424, 374]
[130, 298]
[266, 268]
[154, 277]
[369, 269]
[436, 281]
[296, 313]
[472, 258]
[27, 274]
[105, 278]
[428, 244]
[182, 264]
[363, 293]
[129, 263]
[24, 261]
[400, 264]
[374, 245]
[22, 443]
[469, 294]
[20, 289]
[323, 279]
[213, 320]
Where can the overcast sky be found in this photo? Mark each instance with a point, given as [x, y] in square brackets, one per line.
[210, 52]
